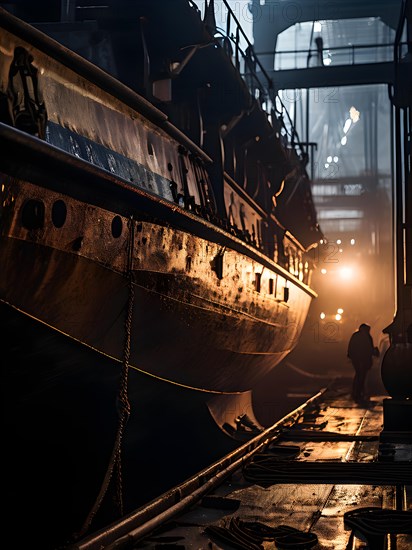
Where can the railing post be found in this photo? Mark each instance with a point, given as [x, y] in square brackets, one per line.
[237, 48]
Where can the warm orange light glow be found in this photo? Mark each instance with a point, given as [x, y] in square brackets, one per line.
[354, 114]
[346, 273]
[338, 317]
[323, 271]
[322, 315]
[340, 311]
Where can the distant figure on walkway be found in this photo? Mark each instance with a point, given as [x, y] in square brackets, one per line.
[319, 47]
[361, 351]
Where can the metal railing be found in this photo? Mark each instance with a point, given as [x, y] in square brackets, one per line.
[239, 48]
[246, 54]
[340, 55]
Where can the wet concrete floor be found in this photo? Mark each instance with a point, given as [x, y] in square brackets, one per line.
[316, 507]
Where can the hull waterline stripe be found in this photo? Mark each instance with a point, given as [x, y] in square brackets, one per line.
[141, 371]
[12, 139]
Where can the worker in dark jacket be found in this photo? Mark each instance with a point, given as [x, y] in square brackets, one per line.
[361, 352]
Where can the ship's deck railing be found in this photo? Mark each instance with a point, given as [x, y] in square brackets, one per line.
[342, 55]
[241, 51]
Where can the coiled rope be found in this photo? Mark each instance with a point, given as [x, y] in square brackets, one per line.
[373, 524]
[245, 535]
[270, 471]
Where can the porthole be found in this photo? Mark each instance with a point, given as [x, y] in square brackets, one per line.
[32, 216]
[117, 227]
[258, 277]
[59, 213]
[150, 147]
[169, 166]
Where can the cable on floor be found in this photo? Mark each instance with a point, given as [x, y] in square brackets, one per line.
[269, 471]
[245, 535]
[373, 524]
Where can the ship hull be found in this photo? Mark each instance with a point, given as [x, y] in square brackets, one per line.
[61, 424]
[135, 271]
[203, 345]
[191, 323]
[197, 333]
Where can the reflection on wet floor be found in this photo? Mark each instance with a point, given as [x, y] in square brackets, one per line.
[341, 441]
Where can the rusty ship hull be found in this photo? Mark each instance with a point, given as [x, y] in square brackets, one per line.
[137, 275]
[189, 344]
[180, 305]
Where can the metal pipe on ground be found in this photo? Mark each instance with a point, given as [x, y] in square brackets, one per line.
[129, 530]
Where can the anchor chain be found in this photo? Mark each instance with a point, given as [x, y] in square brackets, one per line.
[124, 402]
[115, 463]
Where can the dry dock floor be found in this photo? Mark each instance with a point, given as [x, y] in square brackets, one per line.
[319, 506]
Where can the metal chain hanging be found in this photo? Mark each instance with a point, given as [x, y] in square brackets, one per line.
[123, 400]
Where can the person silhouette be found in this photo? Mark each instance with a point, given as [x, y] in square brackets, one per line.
[319, 47]
[361, 351]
